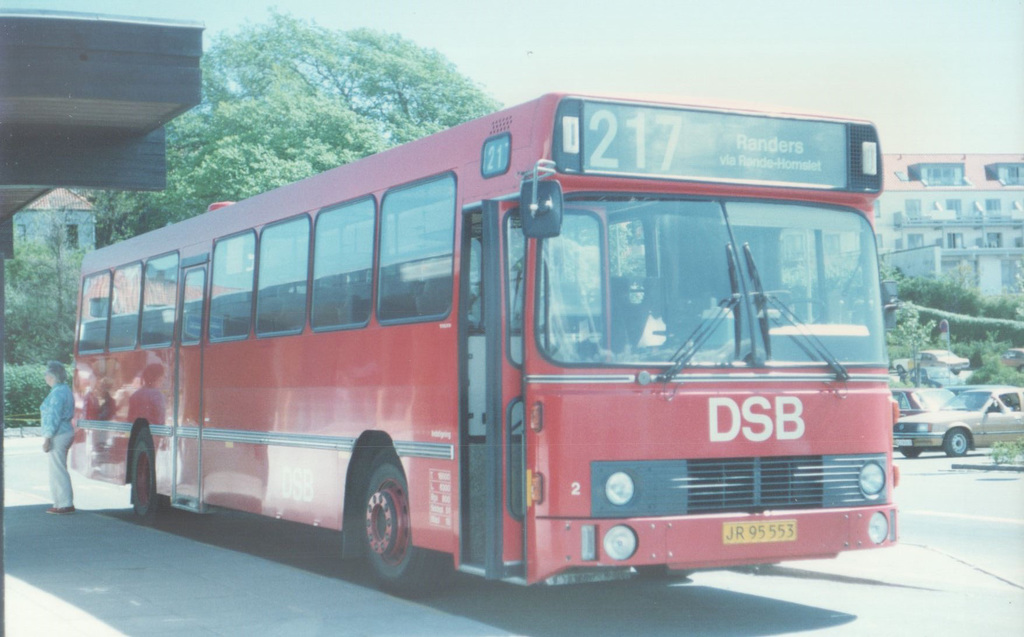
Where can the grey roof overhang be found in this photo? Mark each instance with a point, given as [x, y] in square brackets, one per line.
[84, 99]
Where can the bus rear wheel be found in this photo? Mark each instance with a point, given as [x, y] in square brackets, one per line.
[145, 501]
[398, 565]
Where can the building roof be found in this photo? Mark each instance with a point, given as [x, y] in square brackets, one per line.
[979, 172]
[60, 199]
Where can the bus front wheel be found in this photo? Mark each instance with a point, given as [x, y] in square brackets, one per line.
[398, 565]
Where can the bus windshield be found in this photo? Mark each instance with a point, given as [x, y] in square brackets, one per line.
[660, 281]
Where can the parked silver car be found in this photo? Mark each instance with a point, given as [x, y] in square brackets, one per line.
[974, 418]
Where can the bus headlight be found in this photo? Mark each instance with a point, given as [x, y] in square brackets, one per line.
[620, 543]
[872, 479]
[878, 527]
[618, 488]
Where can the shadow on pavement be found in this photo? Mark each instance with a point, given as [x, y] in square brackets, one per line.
[197, 575]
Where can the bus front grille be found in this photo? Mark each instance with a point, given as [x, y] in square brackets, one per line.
[680, 487]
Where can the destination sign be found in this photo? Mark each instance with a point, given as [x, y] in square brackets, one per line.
[649, 141]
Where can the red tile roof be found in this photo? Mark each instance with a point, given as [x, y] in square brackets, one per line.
[60, 199]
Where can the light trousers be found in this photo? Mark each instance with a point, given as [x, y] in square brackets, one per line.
[60, 479]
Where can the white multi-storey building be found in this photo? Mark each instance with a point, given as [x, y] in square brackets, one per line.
[940, 213]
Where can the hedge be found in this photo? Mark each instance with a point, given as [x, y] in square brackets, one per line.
[24, 390]
[963, 328]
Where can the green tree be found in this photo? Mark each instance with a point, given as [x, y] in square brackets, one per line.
[910, 333]
[41, 290]
[288, 99]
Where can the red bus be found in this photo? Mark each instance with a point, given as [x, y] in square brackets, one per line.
[578, 338]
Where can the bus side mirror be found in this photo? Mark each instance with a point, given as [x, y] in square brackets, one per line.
[890, 303]
[540, 207]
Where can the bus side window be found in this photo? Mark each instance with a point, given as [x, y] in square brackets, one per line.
[125, 302]
[159, 300]
[231, 303]
[417, 251]
[192, 310]
[284, 271]
[343, 266]
[92, 331]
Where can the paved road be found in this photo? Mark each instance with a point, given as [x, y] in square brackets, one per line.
[100, 573]
[975, 516]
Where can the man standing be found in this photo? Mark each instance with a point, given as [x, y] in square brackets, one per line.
[55, 414]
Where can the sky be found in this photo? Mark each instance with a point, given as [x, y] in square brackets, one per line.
[936, 76]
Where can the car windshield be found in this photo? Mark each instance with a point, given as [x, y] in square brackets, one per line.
[645, 280]
[932, 399]
[969, 401]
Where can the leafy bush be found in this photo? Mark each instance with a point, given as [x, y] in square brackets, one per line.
[1001, 306]
[980, 352]
[995, 373]
[24, 390]
[1008, 452]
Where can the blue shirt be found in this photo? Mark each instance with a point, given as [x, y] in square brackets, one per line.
[56, 411]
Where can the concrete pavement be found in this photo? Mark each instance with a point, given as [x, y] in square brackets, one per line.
[99, 572]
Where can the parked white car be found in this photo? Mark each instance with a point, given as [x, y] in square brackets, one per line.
[932, 359]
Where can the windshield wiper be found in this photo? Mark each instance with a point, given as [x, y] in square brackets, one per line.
[808, 342]
[760, 300]
[693, 343]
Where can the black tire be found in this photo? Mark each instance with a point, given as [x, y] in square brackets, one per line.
[145, 500]
[910, 453]
[956, 443]
[398, 566]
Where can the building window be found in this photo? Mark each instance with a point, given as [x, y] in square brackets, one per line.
[941, 174]
[71, 234]
[955, 240]
[915, 240]
[994, 239]
[1012, 175]
[914, 208]
[993, 207]
[954, 206]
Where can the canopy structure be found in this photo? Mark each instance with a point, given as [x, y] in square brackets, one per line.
[84, 99]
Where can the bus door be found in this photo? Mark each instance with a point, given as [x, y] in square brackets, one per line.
[491, 433]
[187, 483]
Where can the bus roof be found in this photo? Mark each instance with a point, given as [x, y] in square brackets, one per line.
[456, 149]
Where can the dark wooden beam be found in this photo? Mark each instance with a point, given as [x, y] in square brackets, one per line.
[74, 159]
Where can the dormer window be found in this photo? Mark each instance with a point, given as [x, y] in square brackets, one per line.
[939, 174]
[1006, 174]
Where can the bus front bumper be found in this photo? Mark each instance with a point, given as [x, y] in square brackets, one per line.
[711, 541]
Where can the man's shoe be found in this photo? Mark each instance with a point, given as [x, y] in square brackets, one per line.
[61, 510]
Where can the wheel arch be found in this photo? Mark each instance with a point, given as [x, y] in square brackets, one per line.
[966, 429]
[368, 447]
